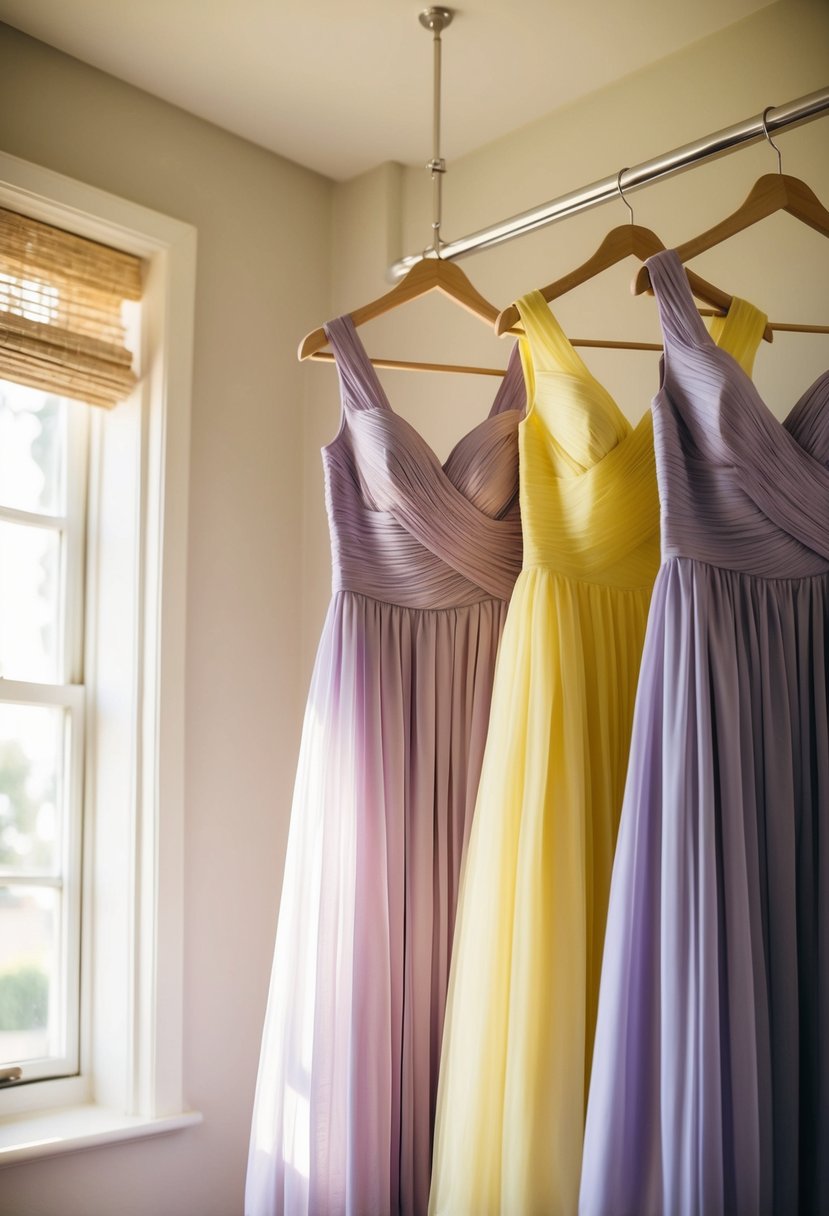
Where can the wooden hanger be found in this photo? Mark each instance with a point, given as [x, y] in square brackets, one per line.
[770, 193]
[628, 240]
[436, 274]
[429, 274]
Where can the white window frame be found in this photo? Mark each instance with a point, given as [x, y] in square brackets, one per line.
[131, 1045]
[66, 693]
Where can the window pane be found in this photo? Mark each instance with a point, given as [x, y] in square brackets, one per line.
[32, 449]
[30, 987]
[31, 777]
[29, 602]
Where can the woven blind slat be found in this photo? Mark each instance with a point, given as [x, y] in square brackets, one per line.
[61, 299]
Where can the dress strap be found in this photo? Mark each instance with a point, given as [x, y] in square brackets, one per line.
[740, 332]
[512, 392]
[677, 311]
[359, 382]
[549, 346]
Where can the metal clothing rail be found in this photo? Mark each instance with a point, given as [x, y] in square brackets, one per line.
[720, 143]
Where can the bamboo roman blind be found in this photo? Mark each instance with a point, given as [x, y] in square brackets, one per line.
[60, 311]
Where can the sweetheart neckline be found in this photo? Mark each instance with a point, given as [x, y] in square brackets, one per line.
[380, 411]
[383, 405]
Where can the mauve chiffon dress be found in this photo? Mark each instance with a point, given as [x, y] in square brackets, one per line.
[709, 1093]
[425, 556]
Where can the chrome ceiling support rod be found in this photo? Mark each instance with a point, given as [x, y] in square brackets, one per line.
[436, 20]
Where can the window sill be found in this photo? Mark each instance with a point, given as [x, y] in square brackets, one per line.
[27, 1137]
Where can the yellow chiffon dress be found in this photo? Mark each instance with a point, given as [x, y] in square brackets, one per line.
[523, 990]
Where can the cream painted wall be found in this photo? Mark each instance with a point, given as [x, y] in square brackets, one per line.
[259, 546]
[263, 261]
[778, 54]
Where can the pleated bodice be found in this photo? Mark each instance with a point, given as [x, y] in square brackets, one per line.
[588, 481]
[406, 529]
[738, 488]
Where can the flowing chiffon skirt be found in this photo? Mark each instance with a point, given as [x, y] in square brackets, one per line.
[710, 1087]
[524, 985]
[388, 772]
[710, 1090]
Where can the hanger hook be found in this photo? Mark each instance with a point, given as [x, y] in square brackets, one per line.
[769, 138]
[621, 191]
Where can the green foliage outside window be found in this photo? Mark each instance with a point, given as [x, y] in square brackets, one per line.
[24, 998]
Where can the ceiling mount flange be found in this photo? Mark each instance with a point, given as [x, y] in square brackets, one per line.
[436, 19]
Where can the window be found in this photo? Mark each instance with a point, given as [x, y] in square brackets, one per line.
[98, 683]
[43, 464]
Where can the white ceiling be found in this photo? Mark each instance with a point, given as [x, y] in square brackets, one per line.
[342, 85]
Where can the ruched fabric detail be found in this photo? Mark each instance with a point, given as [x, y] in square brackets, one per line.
[588, 479]
[405, 528]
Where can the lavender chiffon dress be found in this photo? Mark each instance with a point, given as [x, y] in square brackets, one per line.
[710, 1085]
[424, 560]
